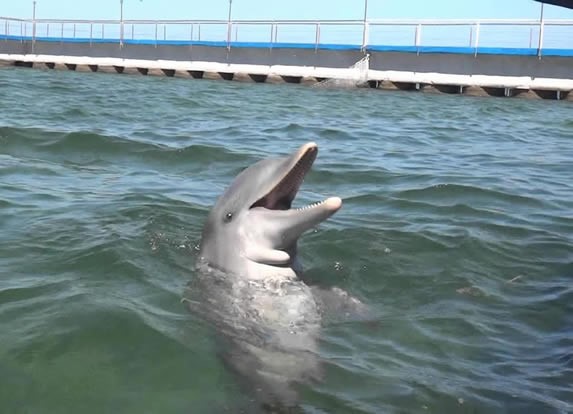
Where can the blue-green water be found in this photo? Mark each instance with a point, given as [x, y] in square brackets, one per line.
[456, 231]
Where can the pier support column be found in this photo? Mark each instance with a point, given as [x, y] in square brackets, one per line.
[86, 68]
[445, 89]
[243, 77]
[212, 76]
[272, 78]
[182, 74]
[522, 93]
[106, 69]
[308, 80]
[475, 91]
[493, 91]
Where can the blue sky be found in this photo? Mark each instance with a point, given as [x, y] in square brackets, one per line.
[282, 9]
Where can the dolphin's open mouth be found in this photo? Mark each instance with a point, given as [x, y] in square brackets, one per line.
[283, 194]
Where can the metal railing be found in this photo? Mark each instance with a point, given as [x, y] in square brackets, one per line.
[417, 34]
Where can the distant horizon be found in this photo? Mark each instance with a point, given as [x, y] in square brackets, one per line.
[293, 9]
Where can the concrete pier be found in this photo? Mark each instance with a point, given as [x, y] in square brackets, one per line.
[431, 72]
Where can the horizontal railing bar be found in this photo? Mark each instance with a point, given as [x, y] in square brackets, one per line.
[14, 18]
[469, 22]
[375, 22]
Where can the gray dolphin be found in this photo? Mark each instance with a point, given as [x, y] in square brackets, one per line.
[247, 285]
[252, 229]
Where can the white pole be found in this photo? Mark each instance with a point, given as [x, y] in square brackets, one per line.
[33, 25]
[121, 22]
[34, 20]
[541, 30]
[365, 26]
[229, 26]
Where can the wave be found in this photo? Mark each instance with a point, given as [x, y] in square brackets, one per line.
[453, 193]
[89, 148]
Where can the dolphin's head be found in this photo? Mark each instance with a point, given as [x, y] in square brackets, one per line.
[253, 223]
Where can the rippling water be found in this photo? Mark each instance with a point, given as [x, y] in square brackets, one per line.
[456, 230]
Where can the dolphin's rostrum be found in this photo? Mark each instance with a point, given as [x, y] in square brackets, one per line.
[247, 285]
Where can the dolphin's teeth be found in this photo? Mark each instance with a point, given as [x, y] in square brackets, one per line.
[310, 206]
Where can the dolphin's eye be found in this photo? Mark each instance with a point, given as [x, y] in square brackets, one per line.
[228, 217]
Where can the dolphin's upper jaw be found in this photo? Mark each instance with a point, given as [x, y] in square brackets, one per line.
[282, 194]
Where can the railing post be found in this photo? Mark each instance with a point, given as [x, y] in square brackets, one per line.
[229, 26]
[418, 37]
[471, 36]
[102, 31]
[48, 30]
[34, 26]
[164, 32]
[62, 33]
[365, 27]
[365, 35]
[477, 39]
[120, 23]
[91, 32]
[317, 40]
[156, 29]
[199, 32]
[541, 33]
[132, 31]
[74, 30]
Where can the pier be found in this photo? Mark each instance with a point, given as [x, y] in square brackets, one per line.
[534, 58]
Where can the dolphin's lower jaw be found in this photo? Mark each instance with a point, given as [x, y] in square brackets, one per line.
[286, 226]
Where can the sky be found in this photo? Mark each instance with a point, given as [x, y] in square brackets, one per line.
[283, 9]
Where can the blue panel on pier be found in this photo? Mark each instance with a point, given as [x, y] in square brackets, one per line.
[322, 46]
[261, 45]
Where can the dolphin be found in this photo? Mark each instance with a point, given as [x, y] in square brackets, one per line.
[252, 229]
[248, 283]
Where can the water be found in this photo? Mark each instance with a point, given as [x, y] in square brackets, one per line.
[456, 230]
